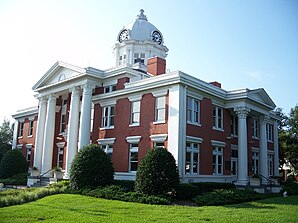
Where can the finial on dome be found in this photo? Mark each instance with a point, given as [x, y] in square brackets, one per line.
[142, 16]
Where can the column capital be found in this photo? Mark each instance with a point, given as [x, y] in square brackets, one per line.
[52, 98]
[264, 119]
[242, 111]
[75, 90]
[87, 88]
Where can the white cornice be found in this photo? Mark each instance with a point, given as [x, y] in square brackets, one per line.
[133, 139]
[106, 141]
[32, 111]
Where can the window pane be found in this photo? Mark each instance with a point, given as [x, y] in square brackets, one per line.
[136, 118]
[160, 102]
[133, 166]
[112, 110]
[161, 115]
[136, 106]
[111, 120]
[134, 156]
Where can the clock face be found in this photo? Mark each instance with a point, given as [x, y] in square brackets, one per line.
[123, 35]
[156, 37]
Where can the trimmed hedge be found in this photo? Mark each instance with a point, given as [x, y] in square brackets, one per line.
[157, 174]
[126, 185]
[19, 179]
[13, 163]
[91, 168]
[291, 187]
[189, 191]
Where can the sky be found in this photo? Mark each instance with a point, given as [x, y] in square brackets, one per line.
[241, 44]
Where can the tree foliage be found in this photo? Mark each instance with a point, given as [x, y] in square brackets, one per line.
[157, 174]
[288, 139]
[13, 163]
[91, 168]
[5, 137]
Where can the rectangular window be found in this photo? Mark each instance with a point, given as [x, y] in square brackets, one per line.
[217, 118]
[255, 128]
[269, 132]
[192, 158]
[108, 114]
[28, 157]
[133, 157]
[63, 117]
[135, 112]
[217, 161]
[21, 132]
[270, 165]
[255, 162]
[60, 157]
[109, 88]
[30, 131]
[193, 110]
[139, 58]
[122, 59]
[160, 109]
[158, 145]
[108, 150]
[234, 125]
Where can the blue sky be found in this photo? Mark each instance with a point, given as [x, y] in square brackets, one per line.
[241, 44]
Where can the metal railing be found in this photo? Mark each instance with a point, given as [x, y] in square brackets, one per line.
[41, 175]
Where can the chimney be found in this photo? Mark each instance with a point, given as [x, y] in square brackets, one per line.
[156, 66]
[216, 84]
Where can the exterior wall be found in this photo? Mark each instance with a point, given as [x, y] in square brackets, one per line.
[122, 130]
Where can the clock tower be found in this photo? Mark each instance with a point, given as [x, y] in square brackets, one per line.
[138, 41]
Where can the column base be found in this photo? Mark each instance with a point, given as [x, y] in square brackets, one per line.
[241, 182]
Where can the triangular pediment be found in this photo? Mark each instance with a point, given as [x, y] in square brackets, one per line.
[261, 96]
[59, 72]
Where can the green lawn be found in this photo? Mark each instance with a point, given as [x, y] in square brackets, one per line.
[77, 208]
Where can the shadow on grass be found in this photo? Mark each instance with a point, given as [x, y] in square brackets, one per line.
[267, 203]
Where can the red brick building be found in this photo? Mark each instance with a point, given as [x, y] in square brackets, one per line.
[214, 134]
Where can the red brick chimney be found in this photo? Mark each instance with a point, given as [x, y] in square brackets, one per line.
[156, 66]
[216, 84]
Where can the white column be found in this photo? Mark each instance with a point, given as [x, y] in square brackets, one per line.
[84, 134]
[42, 111]
[15, 134]
[263, 150]
[73, 129]
[242, 178]
[48, 141]
[276, 150]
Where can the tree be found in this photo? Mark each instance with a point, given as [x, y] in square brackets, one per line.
[13, 163]
[288, 139]
[5, 137]
[91, 168]
[157, 174]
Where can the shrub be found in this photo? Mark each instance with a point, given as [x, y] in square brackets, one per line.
[157, 173]
[291, 187]
[205, 187]
[126, 185]
[91, 168]
[19, 179]
[187, 191]
[13, 163]
[223, 197]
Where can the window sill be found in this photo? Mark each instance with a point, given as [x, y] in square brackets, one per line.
[270, 141]
[218, 129]
[193, 123]
[20, 137]
[30, 136]
[105, 128]
[234, 136]
[159, 122]
[253, 137]
[134, 125]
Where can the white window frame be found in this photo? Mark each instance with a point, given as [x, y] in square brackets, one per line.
[108, 117]
[161, 108]
[234, 125]
[218, 152]
[109, 88]
[63, 113]
[133, 113]
[217, 120]
[21, 131]
[141, 56]
[193, 116]
[255, 161]
[28, 153]
[133, 148]
[255, 128]
[269, 132]
[270, 164]
[31, 126]
[194, 150]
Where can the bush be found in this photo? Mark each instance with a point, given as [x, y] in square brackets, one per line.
[223, 197]
[91, 168]
[126, 185]
[157, 173]
[13, 163]
[291, 187]
[205, 187]
[19, 179]
[187, 191]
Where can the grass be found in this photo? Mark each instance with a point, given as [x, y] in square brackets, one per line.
[77, 208]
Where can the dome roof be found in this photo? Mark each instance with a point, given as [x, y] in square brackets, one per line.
[140, 29]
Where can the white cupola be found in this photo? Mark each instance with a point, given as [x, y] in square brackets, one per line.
[138, 41]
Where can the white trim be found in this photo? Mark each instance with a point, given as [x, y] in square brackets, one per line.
[159, 122]
[195, 95]
[108, 102]
[134, 124]
[109, 83]
[218, 143]
[134, 98]
[20, 146]
[125, 175]
[158, 137]
[218, 103]
[270, 152]
[255, 149]
[106, 141]
[60, 144]
[29, 146]
[133, 139]
[193, 139]
[160, 93]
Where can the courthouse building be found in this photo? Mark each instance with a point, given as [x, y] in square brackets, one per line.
[214, 134]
